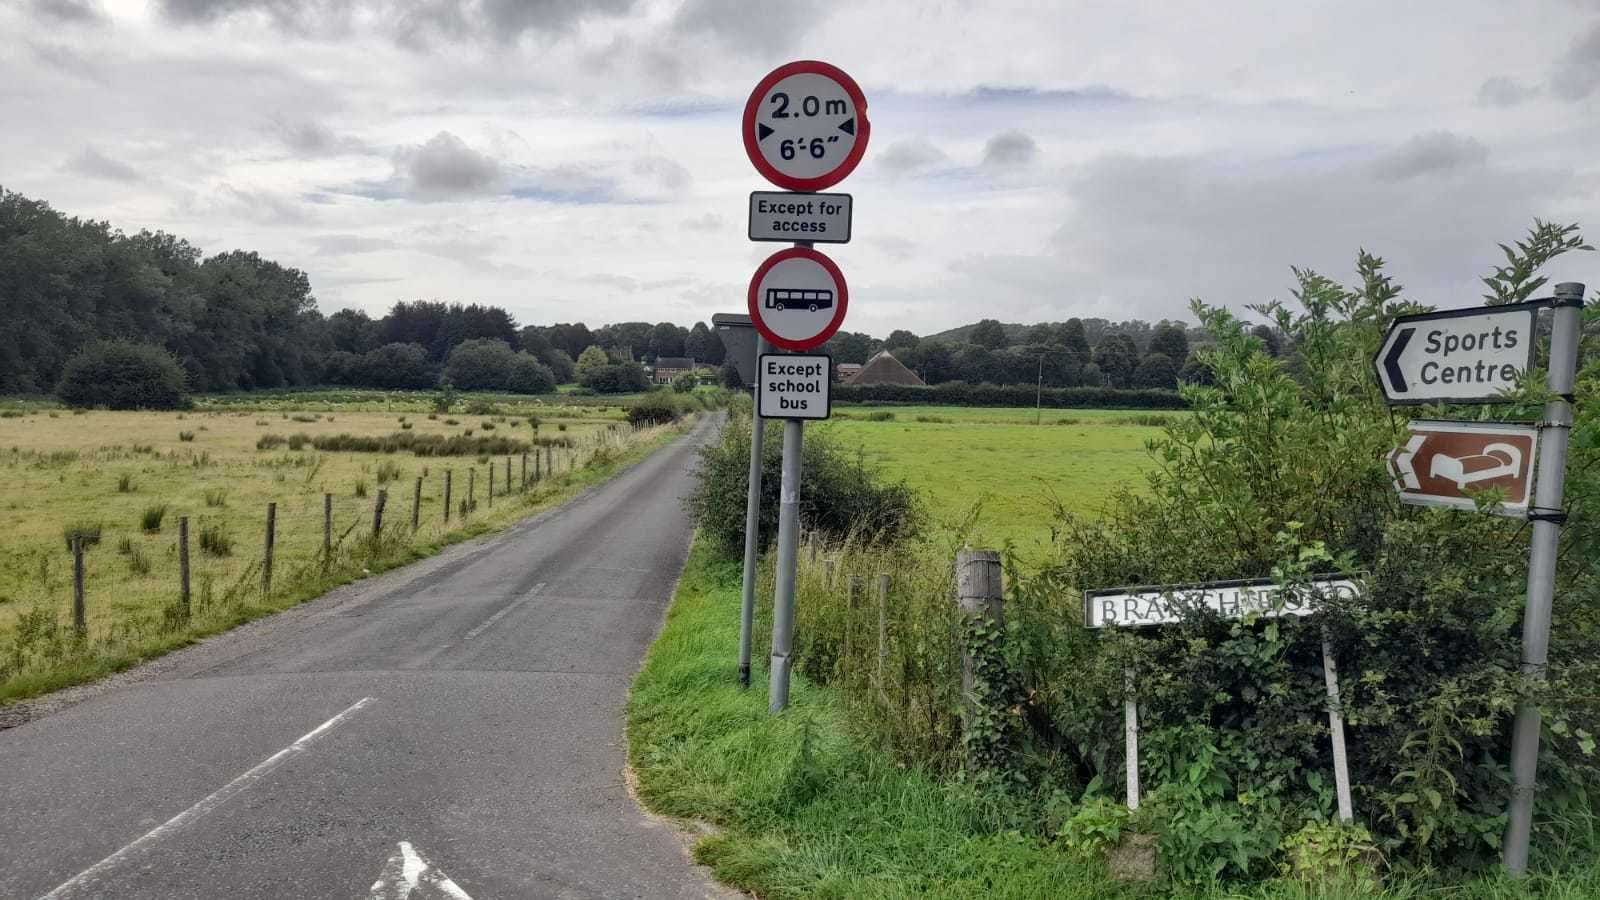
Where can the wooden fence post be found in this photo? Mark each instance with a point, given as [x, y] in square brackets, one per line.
[508, 475]
[327, 529]
[536, 470]
[183, 563]
[851, 598]
[266, 552]
[524, 471]
[80, 615]
[416, 506]
[979, 594]
[377, 513]
[472, 489]
[549, 460]
[491, 484]
[448, 473]
[883, 626]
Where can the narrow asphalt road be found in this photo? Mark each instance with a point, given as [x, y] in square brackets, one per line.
[450, 729]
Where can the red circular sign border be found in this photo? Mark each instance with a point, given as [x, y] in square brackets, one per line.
[752, 148]
[839, 308]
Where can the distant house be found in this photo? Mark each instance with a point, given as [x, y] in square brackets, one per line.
[670, 367]
[846, 371]
[885, 369]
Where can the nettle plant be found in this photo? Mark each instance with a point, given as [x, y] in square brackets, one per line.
[1279, 473]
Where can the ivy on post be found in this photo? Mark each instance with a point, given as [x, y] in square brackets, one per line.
[986, 681]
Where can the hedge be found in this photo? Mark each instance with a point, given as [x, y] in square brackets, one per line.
[958, 393]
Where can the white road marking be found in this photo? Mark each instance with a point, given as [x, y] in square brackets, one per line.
[406, 871]
[88, 876]
[502, 613]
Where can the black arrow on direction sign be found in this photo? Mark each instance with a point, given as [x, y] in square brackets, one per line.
[848, 126]
[763, 132]
[1391, 360]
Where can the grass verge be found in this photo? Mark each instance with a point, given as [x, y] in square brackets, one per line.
[808, 809]
[79, 664]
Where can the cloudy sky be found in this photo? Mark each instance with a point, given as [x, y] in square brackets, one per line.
[581, 159]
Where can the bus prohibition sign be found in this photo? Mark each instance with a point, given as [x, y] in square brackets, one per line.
[805, 126]
[798, 298]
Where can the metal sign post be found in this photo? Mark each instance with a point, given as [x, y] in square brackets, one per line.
[752, 530]
[1547, 516]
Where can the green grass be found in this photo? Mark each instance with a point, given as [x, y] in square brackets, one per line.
[1001, 414]
[806, 809]
[1015, 470]
[64, 473]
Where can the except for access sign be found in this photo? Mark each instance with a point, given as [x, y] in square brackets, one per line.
[794, 386]
[798, 299]
[1447, 463]
[1136, 607]
[1457, 356]
[805, 126]
[819, 218]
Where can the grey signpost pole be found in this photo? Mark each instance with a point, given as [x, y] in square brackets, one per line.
[752, 520]
[788, 547]
[1566, 326]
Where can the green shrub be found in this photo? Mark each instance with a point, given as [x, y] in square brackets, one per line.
[881, 415]
[150, 520]
[87, 532]
[683, 384]
[361, 487]
[124, 484]
[659, 408]
[123, 375]
[215, 540]
[138, 561]
[186, 437]
[216, 497]
[841, 496]
[958, 393]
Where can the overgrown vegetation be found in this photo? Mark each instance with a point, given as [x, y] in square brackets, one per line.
[123, 375]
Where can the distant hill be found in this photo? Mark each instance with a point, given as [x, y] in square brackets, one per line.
[962, 335]
[1094, 328]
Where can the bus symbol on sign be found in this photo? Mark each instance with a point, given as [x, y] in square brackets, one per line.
[778, 298]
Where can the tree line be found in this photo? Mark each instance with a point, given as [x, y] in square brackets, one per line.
[238, 321]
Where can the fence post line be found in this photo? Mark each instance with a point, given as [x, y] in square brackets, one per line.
[978, 593]
[550, 460]
[327, 529]
[536, 475]
[183, 563]
[472, 489]
[377, 512]
[416, 506]
[491, 484]
[266, 552]
[448, 474]
[508, 475]
[883, 626]
[852, 598]
[524, 470]
[80, 616]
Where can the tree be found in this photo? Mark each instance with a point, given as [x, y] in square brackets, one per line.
[398, 367]
[703, 346]
[528, 376]
[590, 360]
[901, 339]
[849, 347]
[1117, 358]
[1170, 341]
[1043, 334]
[685, 383]
[1156, 370]
[122, 375]
[615, 378]
[731, 379]
[990, 335]
[1196, 371]
[353, 331]
[481, 364]
[1076, 341]
[561, 365]
[570, 338]
[666, 339]
[1268, 336]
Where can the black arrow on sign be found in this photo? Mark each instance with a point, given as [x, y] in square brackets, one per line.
[763, 132]
[1391, 360]
[848, 126]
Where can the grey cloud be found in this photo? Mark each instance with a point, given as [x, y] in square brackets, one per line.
[95, 164]
[344, 244]
[74, 11]
[1577, 73]
[445, 166]
[67, 60]
[910, 155]
[1009, 150]
[1502, 92]
[755, 27]
[308, 137]
[664, 172]
[412, 23]
[1435, 151]
[260, 206]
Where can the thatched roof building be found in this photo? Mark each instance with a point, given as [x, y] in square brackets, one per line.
[885, 369]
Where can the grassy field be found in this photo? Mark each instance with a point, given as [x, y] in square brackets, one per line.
[806, 808]
[130, 476]
[960, 457]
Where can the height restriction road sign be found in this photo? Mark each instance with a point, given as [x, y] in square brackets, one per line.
[805, 126]
[1457, 356]
[1447, 463]
[798, 298]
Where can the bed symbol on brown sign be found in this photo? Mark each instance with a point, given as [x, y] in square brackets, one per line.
[1453, 463]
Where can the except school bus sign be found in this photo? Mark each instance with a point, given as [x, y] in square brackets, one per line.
[1136, 607]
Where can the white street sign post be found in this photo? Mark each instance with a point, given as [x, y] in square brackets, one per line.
[1457, 356]
[818, 218]
[1446, 463]
[805, 129]
[1143, 607]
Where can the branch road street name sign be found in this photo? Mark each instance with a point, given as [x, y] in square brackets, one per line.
[793, 386]
[798, 298]
[805, 126]
[1457, 356]
[1445, 463]
[819, 218]
[1137, 607]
